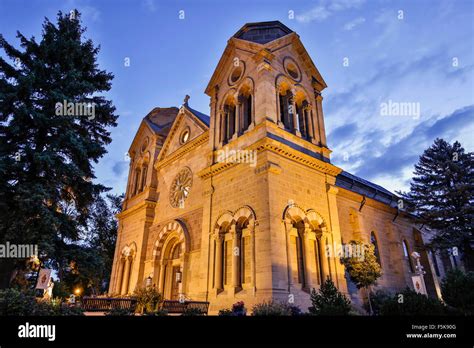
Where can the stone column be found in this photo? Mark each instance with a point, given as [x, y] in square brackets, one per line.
[238, 115]
[307, 263]
[126, 276]
[319, 107]
[236, 252]
[118, 284]
[309, 126]
[219, 260]
[323, 257]
[296, 123]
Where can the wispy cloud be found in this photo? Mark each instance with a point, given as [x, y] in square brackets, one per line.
[354, 23]
[326, 8]
[150, 5]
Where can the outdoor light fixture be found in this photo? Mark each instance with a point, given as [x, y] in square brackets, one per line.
[148, 281]
[178, 277]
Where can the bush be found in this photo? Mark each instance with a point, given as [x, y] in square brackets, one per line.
[329, 301]
[65, 309]
[238, 310]
[272, 308]
[147, 299]
[191, 312]
[158, 313]
[15, 302]
[409, 302]
[457, 290]
[119, 312]
[226, 313]
[378, 299]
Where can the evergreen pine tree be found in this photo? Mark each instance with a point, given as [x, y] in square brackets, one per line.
[46, 159]
[329, 301]
[442, 195]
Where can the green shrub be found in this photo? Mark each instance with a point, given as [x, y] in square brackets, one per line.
[147, 299]
[68, 310]
[272, 308]
[15, 302]
[457, 290]
[238, 310]
[329, 301]
[226, 313]
[378, 299]
[409, 302]
[191, 312]
[158, 313]
[119, 312]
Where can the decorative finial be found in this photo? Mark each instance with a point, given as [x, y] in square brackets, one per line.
[186, 98]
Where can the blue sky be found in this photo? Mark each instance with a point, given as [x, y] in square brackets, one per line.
[424, 54]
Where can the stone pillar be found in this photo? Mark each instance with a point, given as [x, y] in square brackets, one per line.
[319, 107]
[118, 284]
[264, 89]
[238, 115]
[126, 276]
[236, 252]
[323, 258]
[294, 114]
[310, 125]
[219, 261]
[307, 263]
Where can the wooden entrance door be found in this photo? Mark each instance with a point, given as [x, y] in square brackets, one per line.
[174, 283]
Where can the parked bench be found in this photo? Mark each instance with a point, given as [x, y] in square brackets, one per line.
[105, 304]
[178, 307]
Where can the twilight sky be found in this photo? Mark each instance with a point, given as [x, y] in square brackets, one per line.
[370, 52]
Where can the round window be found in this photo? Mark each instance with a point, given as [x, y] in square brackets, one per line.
[292, 69]
[237, 73]
[184, 136]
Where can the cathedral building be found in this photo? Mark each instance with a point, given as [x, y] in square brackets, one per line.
[244, 204]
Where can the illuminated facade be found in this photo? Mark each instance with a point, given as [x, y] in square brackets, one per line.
[242, 204]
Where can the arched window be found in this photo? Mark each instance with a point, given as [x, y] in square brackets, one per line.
[302, 113]
[228, 122]
[406, 254]
[143, 180]
[246, 111]
[286, 109]
[373, 240]
[298, 253]
[136, 181]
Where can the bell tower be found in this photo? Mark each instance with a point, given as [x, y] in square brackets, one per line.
[266, 74]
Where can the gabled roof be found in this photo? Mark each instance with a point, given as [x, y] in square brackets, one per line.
[262, 32]
[203, 117]
[265, 36]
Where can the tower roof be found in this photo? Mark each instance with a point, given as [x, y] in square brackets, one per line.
[262, 32]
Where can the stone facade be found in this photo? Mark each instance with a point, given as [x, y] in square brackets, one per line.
[243, 204]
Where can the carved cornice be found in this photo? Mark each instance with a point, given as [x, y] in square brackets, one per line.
[267, 144]
[139, 206]
[183, 150]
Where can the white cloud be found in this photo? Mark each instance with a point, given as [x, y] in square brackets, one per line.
[354, 23]
[327, 8]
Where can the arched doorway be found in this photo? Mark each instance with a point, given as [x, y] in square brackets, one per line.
[170, 252]
[172, 273]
